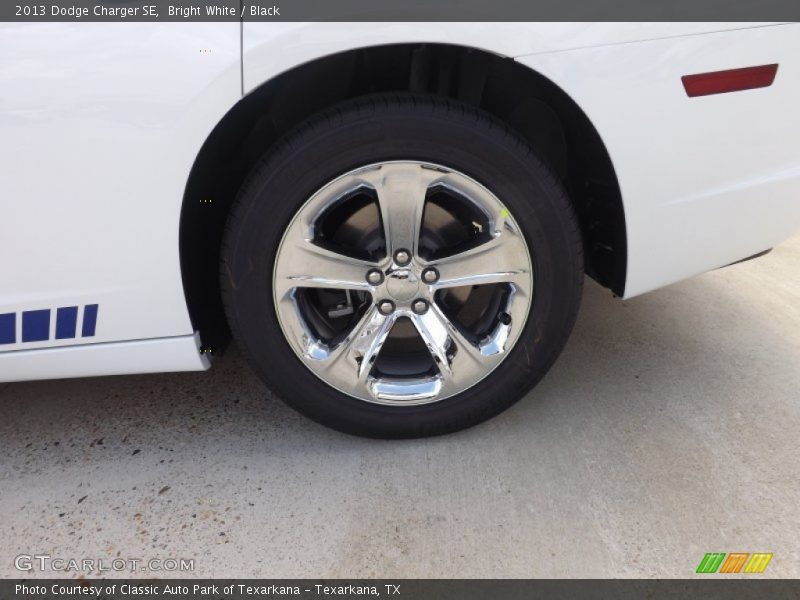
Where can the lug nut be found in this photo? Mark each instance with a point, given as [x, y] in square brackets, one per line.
[374, 277]
[386, 307]
[430, 275]
[419, 306]
[402, 257]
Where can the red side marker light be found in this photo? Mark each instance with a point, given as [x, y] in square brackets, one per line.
[733, 80]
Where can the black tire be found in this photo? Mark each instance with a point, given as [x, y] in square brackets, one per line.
[380, 128]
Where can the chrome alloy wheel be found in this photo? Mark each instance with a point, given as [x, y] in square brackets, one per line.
[402, 283]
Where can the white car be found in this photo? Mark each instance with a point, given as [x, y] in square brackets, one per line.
[393, 219]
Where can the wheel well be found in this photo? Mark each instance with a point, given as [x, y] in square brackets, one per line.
[531, 104]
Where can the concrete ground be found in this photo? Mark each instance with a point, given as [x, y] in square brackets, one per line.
[669, 428]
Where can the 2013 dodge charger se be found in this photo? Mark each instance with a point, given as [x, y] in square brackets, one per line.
[393, 219]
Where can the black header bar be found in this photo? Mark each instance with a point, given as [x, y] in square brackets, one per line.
[400, 10]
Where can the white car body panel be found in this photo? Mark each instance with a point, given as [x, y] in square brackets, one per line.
[100, 125]
[272, 48]
[162, 355]
[702, 186]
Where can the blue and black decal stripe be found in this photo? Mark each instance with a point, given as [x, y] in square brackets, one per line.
[66, 322]
[89, 320]
[8, 328]
[36, 324]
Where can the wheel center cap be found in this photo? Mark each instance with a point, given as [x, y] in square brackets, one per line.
[402, 284]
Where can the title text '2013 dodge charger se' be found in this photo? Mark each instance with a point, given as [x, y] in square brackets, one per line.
[393, 220]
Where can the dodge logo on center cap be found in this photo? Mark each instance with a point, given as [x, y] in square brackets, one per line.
[402, 284]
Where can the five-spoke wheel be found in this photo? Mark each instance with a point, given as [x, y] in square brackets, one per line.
[401, 267]
[434, 245]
